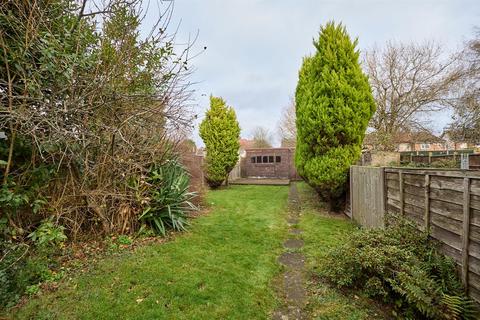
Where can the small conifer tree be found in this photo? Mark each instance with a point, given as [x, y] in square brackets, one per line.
[220, 132]
[334, 104]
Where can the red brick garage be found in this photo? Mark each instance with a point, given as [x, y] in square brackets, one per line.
[269, 163]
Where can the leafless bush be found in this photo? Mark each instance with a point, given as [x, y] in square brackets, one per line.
[98, 104]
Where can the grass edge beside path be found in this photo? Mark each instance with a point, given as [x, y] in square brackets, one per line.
[222, 268]
[322, 231]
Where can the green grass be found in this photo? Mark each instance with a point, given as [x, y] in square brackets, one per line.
[321, 232]
[222, 268]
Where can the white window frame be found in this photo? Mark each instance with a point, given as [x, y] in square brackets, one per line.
[424, 146]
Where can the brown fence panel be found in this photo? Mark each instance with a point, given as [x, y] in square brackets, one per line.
[474, 161]
[367, 196]
[447, 202]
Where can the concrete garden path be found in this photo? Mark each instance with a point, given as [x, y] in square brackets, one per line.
[293, 288]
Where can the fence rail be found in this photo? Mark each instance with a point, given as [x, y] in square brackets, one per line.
[447, 202]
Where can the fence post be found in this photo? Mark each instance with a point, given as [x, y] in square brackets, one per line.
[427, 203]
[464, 162]
[466, 230]
[400, 185]
[384, 195]
[429, 157]
[351, 192]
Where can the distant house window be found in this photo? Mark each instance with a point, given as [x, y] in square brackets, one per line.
[270, 159]
[425, 146]
[265, 159]
[259, 159]
[253, 159]
[278, 159]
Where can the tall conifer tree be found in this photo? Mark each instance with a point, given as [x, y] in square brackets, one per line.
[220, 132]
[334, 104]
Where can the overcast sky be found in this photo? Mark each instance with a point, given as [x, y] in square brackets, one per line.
[255, 47]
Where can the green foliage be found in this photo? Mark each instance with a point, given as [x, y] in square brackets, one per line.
[79, 88]
[333, 106]
[10, 200]
[400, 265]
[445, 163]
[48, 234]
[22, 191]
[220, 133]
[124, 240]
[441, 163]
[169, 198]
[12, 258]
[22, 271]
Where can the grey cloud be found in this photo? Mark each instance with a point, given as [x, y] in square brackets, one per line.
[255, 48]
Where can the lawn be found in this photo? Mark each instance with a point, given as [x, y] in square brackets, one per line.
[320, 232]
[222, 268]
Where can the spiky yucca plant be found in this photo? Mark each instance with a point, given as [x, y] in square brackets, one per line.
[169, 198]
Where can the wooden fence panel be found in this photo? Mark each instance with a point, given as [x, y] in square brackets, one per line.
[367, 196]
[446, 202]
[236, 172]
[474, 161]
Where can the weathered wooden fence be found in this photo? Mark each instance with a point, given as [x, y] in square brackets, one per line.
[474, 161]
[236, 172]
[447, 202]
[367, 203]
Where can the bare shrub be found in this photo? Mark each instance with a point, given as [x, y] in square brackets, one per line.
[92, 101]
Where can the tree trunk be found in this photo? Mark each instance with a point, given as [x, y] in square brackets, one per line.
[10, 156]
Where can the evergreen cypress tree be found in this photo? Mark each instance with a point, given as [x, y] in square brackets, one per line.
[221, 133]
[334, 104]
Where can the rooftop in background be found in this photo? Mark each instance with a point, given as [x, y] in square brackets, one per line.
[246, 143]
[418, 137]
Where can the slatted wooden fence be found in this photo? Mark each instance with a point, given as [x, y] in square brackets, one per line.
[368, 201]
[445, 201]
[236, 172]
[474, 161]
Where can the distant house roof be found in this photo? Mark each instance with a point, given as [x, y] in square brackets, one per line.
[268, 149]
[372, 138]
[452, 136]
[246, 144]
[417, 137]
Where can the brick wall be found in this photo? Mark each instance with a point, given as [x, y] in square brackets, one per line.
[194, 165]
[285, 168]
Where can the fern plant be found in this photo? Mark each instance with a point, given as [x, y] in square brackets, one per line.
[169, 198]
[401, 266]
